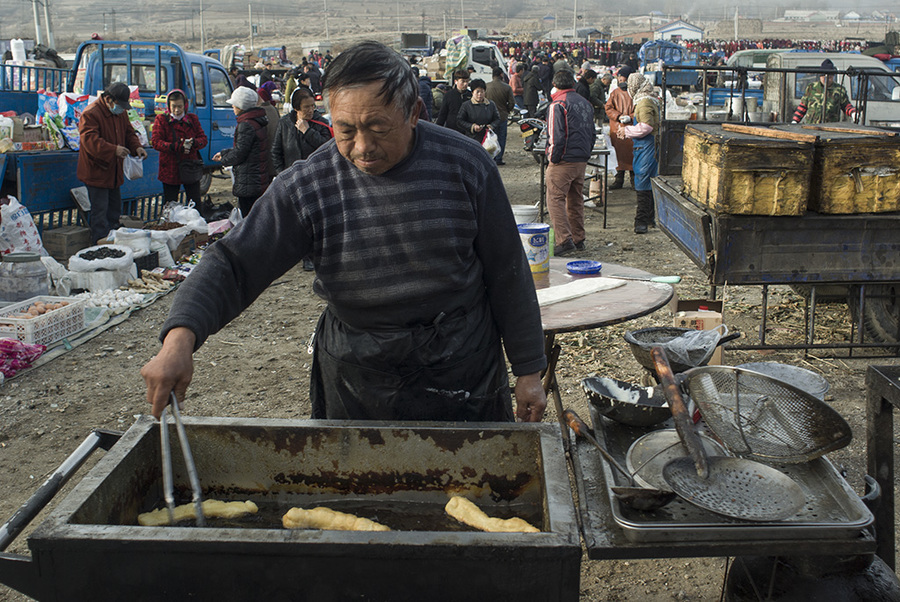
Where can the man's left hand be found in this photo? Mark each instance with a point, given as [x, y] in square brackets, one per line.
[141, 153]
[531, 401]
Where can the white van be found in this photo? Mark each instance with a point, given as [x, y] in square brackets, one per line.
[784, 90]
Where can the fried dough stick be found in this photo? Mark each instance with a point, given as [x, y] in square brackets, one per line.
[328, 520]
[211, 509]
[465, 511]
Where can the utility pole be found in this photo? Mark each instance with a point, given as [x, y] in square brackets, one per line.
[202, 31]
[115, 35]
[445, 25]
[250, 12]
[327, 37]
[38, 37]
[423, 21]
[398, 18]
[575, 21]
[462, 15]
[50, 41]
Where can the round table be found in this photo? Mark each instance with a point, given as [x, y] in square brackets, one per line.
[613, 306]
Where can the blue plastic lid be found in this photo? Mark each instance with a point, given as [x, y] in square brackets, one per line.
[584, 267]
[533, 228]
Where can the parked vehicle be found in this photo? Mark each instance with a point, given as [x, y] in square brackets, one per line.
[42, 180]
[656, 53]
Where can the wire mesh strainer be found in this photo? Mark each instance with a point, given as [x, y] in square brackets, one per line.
[760, 417]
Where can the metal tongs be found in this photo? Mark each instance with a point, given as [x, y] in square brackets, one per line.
[168, 481]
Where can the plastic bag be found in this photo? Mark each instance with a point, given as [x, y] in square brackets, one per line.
[18, 231]
[77, 263]
[236, 216]
[136, 239]
[694, 348]
[48, 105]
[71, 136]
[190, 217]
[137, 122]
[71, 106]
[134, 167]
[16, 355]
[491, 143]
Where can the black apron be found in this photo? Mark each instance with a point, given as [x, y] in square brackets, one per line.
[449, 370]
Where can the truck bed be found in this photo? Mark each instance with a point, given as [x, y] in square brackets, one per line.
[41, 180]
[808, 249]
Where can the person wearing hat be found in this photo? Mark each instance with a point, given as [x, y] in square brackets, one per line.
[824, 101]
[178, 136]
[619, 109]
[250, 155]
[106, 139]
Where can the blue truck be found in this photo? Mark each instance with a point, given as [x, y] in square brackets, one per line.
[655, 53]
[42, 180]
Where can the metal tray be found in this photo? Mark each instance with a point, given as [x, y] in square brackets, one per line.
[832, 510]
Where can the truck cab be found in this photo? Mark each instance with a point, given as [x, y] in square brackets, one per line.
[156, 68]
[864, 78]
[656, 53]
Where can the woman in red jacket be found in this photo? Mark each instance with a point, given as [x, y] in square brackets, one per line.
[178, 136]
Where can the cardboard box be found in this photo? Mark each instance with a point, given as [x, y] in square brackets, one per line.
[131, 221]
[689, 315]
[65, 241]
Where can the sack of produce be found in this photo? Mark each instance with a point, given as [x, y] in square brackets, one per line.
[102, 257]
[18, 231]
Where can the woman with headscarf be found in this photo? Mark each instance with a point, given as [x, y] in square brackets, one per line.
[641, 132]
[178, 136]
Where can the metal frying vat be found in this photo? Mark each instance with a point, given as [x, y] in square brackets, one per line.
[90, 546]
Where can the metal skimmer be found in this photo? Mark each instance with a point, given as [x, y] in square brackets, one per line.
[757, 416]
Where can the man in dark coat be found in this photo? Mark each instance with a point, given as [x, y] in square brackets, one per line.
[250, 155]
[531, 84]
[501, 94]
[424, 90]
[545, 72]
[106, 139]
[454, 99]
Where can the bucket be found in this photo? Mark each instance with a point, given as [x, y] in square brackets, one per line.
[526, 214]
[536, 241]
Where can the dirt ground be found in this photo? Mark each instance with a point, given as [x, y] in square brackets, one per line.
[258, 367]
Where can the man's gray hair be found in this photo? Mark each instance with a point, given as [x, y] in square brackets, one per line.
[370, 62]
[564, 80]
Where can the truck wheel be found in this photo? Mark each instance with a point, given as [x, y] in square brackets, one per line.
[881, 317]
[205, 182]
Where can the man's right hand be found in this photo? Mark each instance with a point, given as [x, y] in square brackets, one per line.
[171, 369]
[122, 152]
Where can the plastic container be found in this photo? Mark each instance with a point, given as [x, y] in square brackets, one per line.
[525, 214]
[44, 329]
[536, 242]
[23, 276]
[17, 48]
[584, 267]
[6, 128]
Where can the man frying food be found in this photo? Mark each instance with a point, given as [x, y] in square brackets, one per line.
[416, 253]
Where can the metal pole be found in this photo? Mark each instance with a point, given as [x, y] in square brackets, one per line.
[575, 21]
[115, 34]
[250, 20]
[50, 41]
[327, 37]
[462, 15]
[37, 23]
[398, 17]
[202, 30]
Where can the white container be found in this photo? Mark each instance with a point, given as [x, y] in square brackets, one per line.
[6, 128]
[17, 47]
[23, 276]
[536, 242]
[526, 214]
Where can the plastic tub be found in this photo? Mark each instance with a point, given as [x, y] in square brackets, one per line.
[23, 276]
[536, 242]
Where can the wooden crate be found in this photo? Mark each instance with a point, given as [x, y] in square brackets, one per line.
[744, 174]
[63, 242]
[854, 172]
